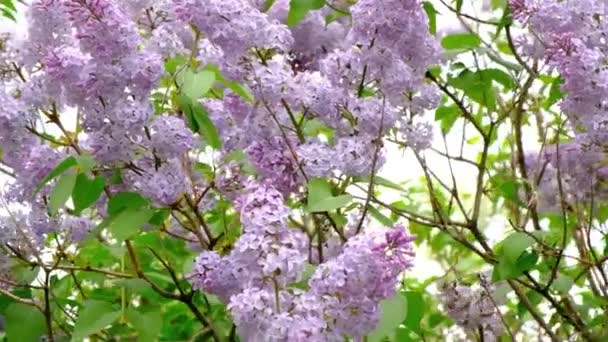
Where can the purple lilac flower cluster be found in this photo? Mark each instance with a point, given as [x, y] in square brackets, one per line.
[256, 278]
[474, 309]
[570, 36]
[323, 95]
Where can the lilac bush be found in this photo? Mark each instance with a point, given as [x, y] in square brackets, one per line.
[214, 170]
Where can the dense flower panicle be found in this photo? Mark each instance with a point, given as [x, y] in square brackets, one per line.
[231, 181]
[317, 159]
[343, 299]
[274, 161]
[48, 27]
[103, 28]
[580, 168]
[419, 136]
[234, 25]
[229, 115]
[474, 308]
[355, 156]
[14, 139]
[401, 52]
[37, 162]
[171, 136]
[313, 36]
[572, 36]
[214, 274]
[262, 209]
[78, 228]
[267, 254]
[163, 184]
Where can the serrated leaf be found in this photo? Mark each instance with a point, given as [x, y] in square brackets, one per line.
[460, 41]
[86, 191]
[92, 318]
[24, 323]
[393, 312]
[61, 192]
[129, 221]
[57, 171]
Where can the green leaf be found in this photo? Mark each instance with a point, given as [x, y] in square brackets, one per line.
[125, 200]
[172, 63]
[92, 318]
[415, 310]
[239, 89]
[9, 4]
[321, 199]
[555, 93]
[61, 192]
[500, 77]
[515, 244]
[207, 128]
[299, 8]
[506, 269]
[392, 313]
[447, 115]
[57, 171]
[198, 120]
[147, 324]
[477, 86]
[129, 221]
[24, 323]
[431, 12]
[196, 85]
[135, 284]
[563, 283]
[497, 4]
[267, 5]
[330, 203]
[86, 162]
[461, 41]
[86, 191]
[8, 14]
[387, 222]
[160, 216]
[235, 86]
